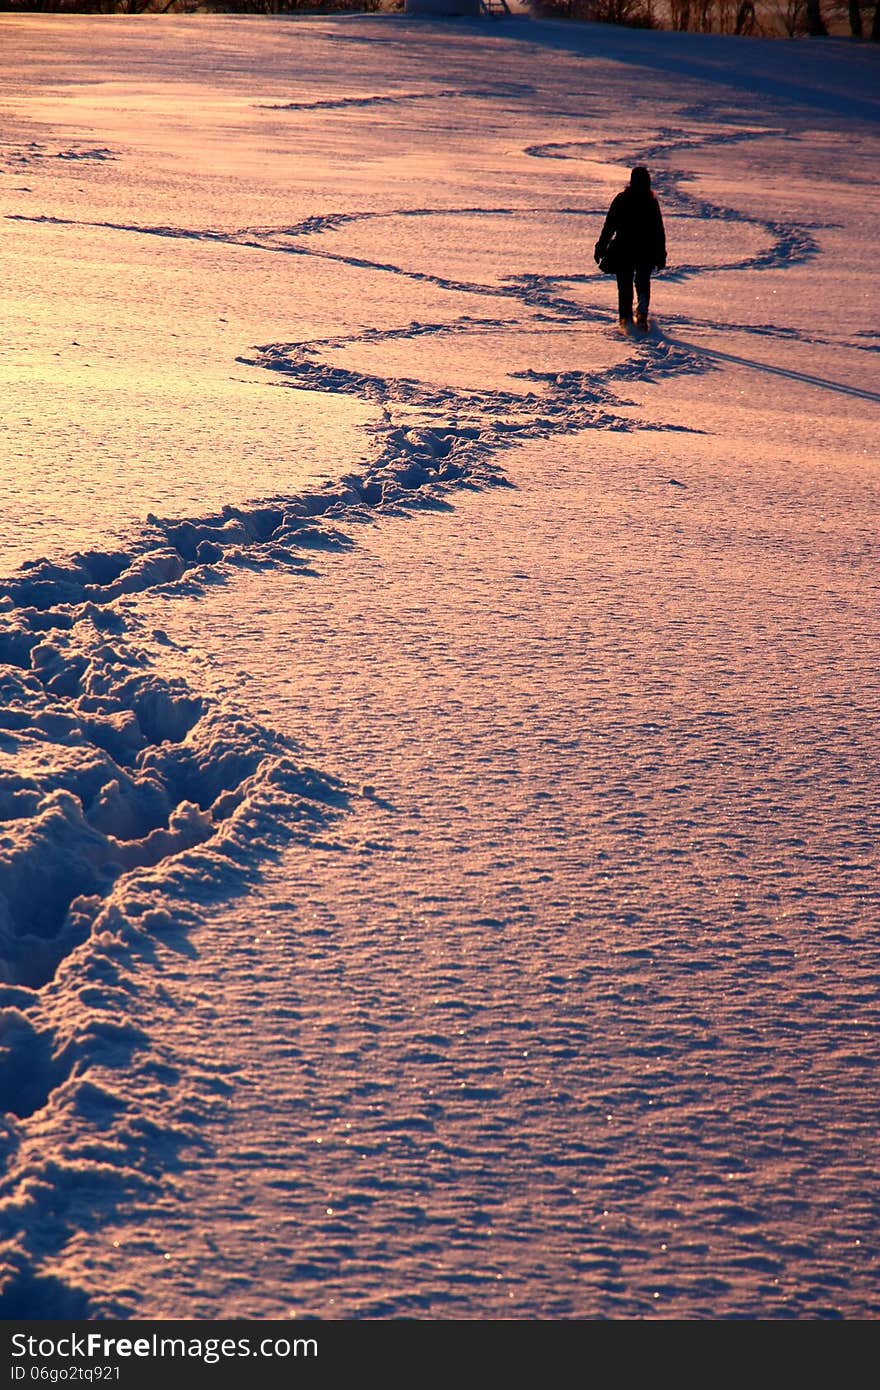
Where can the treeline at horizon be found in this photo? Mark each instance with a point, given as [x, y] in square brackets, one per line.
[858, 19]
[264, 7]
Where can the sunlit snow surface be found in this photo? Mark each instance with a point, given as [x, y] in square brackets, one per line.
[438, 762]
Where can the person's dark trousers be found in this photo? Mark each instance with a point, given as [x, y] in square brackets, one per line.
[625, 276]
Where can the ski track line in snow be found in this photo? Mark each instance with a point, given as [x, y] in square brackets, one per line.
[716, 355]
[533, 294]
[511, 89]
[127, 799]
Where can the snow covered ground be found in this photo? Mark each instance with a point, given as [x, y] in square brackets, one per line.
[438, 745]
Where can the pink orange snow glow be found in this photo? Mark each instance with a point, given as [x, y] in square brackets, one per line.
[438, 763]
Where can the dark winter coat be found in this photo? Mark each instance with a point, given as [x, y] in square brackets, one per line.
[633, 233]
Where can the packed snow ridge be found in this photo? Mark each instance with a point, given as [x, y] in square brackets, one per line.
[111, 767]
[126, 798]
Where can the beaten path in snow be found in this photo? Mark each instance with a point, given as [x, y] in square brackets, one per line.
[568, 1005]
[576, 1015]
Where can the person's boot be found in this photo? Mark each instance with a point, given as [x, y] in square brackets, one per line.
[641, 319]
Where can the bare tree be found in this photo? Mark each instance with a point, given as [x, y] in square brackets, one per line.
[793, 17]
[816, 26]
[726, 16]
[746, 18]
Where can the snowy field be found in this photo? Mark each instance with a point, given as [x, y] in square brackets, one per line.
[438, 741]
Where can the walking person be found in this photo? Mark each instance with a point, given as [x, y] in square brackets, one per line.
[632, 245]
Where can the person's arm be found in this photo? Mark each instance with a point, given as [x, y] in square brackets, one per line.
[660, 260]
[609, 227]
